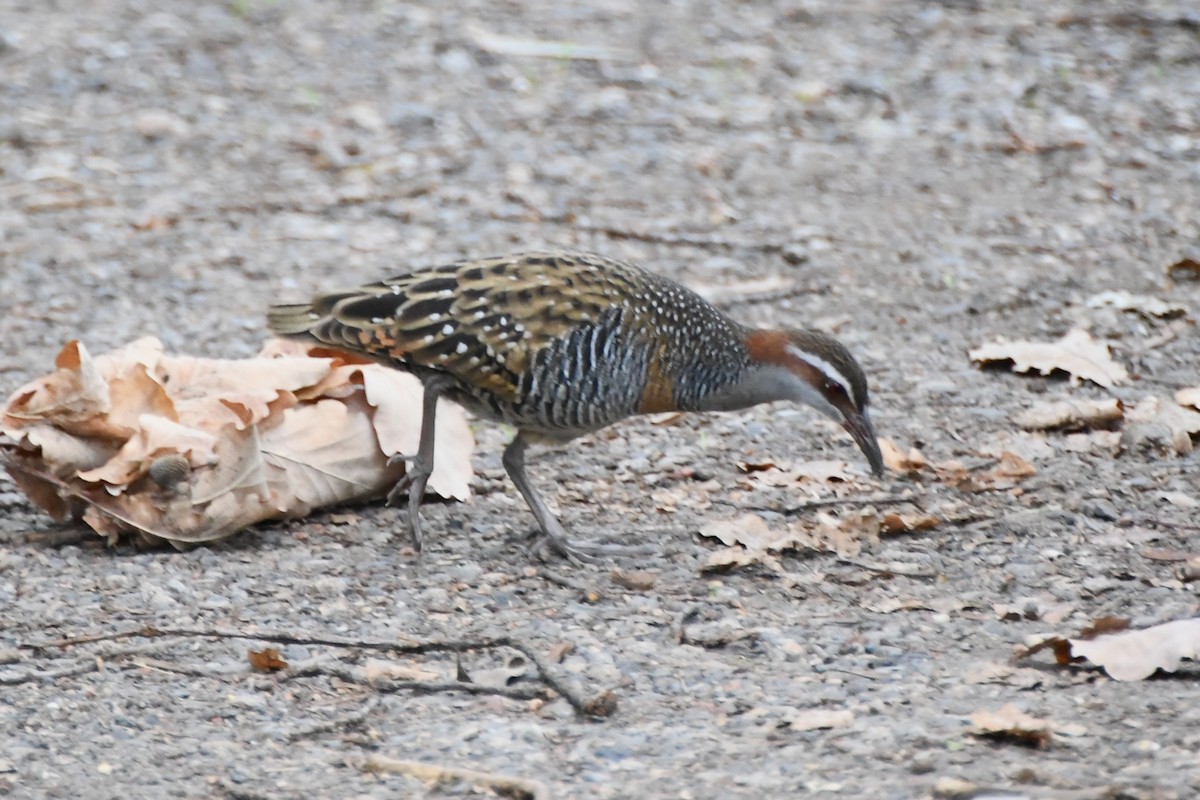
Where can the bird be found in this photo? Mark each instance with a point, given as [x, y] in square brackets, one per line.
[559, 344]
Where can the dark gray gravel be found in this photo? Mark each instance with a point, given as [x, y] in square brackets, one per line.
[926, 176]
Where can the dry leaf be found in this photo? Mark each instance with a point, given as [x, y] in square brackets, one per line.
[190, 450]
[1179, 424]
[1071, 415]
[806, 472]
[1004, 475]
[812, 719]
[74, 394]
[637, 580]
[1077, 354]
[1013, 466]
[395, 396]
[1136, 655]
[1105, 442]
[899, 461]
[751, 466]
[750, 539]
[1101, 626]
[902, 523]
[266, 660]
[748, 530]
[1011, 724]
[1185, 269]
[1142, 304]
[1189, 397]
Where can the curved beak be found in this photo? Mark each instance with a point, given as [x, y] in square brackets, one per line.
[858, 425]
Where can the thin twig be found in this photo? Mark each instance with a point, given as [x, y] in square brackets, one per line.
[336, 725]
[883, 570]
[849, 502]
[600, 705]
[81, 668]
[564, 581]
[528, 787]
[355, 676]
[862, 675]
[186, 669]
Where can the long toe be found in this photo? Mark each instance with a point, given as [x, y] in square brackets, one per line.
[546, 544]
[398, 494]
[589, 553]
[399, 458]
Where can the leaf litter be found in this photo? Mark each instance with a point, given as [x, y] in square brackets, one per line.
[1161, 420]
[186, 450]
[1071, 415]
[750, 539]
[1010, 724]
[1138, 303]
[1077, 354]
[1002, 472]
[1127, 655]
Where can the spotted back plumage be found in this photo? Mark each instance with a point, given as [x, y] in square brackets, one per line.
[553, 342]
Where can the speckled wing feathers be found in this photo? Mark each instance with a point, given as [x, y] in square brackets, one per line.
[483, 321]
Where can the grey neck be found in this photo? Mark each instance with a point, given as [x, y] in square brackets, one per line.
[765, 383]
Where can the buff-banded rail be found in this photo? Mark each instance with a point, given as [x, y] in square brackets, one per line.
[559, 344]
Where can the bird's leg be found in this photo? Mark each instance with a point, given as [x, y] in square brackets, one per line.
[420, 466]
[552, 537]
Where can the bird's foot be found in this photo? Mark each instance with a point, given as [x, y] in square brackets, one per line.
[583, 553]
[412, 487]
[399, 493]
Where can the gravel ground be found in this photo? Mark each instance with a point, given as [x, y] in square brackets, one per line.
[924, 176]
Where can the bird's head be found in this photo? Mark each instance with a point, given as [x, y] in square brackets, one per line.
[814, 368]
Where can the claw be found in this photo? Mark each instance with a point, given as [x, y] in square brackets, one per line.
[399, 490]
[545, 544]
[578, 554]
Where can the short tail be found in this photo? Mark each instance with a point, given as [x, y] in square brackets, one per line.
[295, 319]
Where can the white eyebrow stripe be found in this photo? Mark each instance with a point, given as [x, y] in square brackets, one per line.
[825, 368]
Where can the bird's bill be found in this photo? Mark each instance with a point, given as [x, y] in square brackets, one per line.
[858, 425]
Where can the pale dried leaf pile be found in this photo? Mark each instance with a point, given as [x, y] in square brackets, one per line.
[190, 450]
